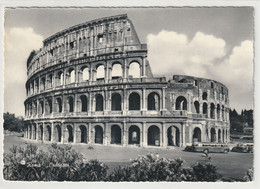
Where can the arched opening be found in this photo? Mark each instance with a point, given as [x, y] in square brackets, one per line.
[42, 84]
[115, 134]
[173, 135]
[60, 77]
[181, 103]
[50, 80]
[71, 75]
[34, 132]
[223, 113]
[70, 133]
[41, 108]
[219, 135]
[116, 102]
[134, 101]
[205, 108]
[196, 135]
[204, 96]
[98, 134]
[154, 136]
[100, 72]
[48, 133]
[35, 108]
[85, 74]
[153, 101]
[40, 137]
[83, 134]
[134, 135]
[134, 70]
[117, 71]
[197, 107]
[57, 133]
[84, 103]
[212, 85]
[49, 102]
[37, 86]
[218, 111]
[212, 135]
[59, 105]
[99, 102]
[212, 111]
[70, 104]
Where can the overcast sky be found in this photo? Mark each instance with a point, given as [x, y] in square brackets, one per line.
[215, 43]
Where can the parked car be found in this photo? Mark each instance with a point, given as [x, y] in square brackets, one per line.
[208, 147]
[244, 148]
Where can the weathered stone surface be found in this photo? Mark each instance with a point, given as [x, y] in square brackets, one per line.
[92, 83]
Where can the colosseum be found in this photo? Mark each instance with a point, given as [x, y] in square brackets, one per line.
[92, 84]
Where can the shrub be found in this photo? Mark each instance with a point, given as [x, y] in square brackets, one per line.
[249, 175]
[91, 171]
[60, 163]
[150, 168]
[205, 172]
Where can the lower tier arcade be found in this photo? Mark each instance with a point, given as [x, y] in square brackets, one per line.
[127, 131]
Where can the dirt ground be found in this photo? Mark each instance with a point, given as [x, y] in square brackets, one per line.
[232, 165]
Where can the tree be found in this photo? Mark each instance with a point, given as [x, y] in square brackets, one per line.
[13, 123]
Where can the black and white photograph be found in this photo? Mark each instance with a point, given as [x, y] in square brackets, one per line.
[128, 94]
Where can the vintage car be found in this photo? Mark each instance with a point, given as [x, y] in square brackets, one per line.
[244, 148]
[208, 147]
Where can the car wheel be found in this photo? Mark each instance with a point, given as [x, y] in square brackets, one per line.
[206, 151]
[225, 151]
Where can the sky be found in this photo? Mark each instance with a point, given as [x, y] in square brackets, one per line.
[214, 43]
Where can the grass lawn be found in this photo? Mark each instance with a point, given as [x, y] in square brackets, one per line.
[232, 165]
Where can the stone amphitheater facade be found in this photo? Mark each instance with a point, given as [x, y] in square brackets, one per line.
[92, 84]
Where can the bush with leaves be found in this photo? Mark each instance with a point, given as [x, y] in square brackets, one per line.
[60, 163]
[249, 175]
[152, 168]
[205, 172]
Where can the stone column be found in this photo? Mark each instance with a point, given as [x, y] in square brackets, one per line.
[143, 100]
[90, 73]
[143, 67]
[124, 133]
[74, 126]
[215, 112]
[77, 55]
[75, 103]
[52, 132]
[183, 127]
[90, 104]
[209, 111]
[62, 132]
[43, 132]
[220, 114]
[90, 134]
[106, 76]
[164, 131]
[163, 99]
[124, 102]
[144, 133]
[94, 75]
[216, 130]
[106, 135]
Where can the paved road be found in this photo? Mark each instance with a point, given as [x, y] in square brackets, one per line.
[232, 165]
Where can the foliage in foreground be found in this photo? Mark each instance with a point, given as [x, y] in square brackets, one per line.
[60, 163]
[249, 175]
[151, 168]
